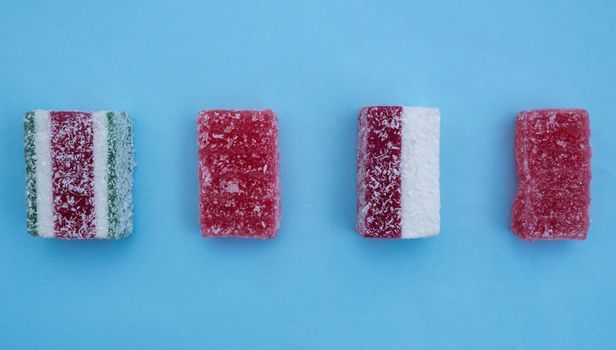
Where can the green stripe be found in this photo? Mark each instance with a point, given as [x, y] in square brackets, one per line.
[30, 154]
[120, 166]
[112, 177]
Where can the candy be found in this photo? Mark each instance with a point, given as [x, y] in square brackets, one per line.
[239, 173]
[78, 174]
[398, 172]
[553, 164]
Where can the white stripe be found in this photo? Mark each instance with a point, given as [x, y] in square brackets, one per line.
[100, 148]
[44, 191]
[420, 192]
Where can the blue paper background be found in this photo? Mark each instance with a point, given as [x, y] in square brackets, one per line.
[318, 285]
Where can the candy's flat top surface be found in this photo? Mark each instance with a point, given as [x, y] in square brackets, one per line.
[318, 284]
[238, 167]
[553, 160]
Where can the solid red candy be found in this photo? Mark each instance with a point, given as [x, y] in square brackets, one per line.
[239, 173]
[553, 160]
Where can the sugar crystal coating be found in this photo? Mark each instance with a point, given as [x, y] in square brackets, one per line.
[239, 173]
[553, 158]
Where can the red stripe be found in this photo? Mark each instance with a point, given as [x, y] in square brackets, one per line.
[72, 158]
[382, 171]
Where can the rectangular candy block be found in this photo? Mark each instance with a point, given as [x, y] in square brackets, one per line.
[398, 172]
[239, 173]
[79, 169]
[553, 155]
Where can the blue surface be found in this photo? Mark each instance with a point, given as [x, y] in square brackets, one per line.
[318, 285]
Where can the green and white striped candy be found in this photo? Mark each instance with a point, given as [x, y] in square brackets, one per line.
[79, 169]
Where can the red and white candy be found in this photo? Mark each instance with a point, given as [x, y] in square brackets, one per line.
[398, 172]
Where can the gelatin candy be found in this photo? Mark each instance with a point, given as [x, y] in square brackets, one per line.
[553, 156]
[239, 173]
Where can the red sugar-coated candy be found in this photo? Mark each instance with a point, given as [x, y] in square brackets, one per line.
[239, 173]
[553, 163]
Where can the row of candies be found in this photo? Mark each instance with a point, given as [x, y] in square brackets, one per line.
[79, 173]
